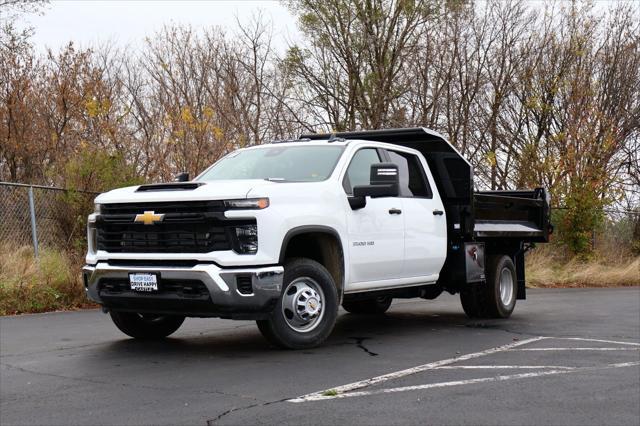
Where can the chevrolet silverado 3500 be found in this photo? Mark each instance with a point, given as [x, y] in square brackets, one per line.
[284, 233]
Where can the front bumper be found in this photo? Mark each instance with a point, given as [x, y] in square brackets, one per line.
[222, 298]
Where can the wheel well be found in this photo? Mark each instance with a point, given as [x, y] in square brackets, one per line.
[324, 248]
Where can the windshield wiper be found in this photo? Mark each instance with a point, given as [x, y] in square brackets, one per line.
[276, 179]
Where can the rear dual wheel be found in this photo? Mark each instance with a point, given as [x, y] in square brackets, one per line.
[496, 298]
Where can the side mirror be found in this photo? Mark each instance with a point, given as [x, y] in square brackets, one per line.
[385, 182]
[181, 177]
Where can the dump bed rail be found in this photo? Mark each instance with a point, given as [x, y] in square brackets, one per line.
[512, 214]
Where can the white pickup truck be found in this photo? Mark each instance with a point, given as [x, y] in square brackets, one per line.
[284, 233]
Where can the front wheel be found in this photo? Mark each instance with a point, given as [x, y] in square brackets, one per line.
[146, 326]
[496, 298]
[307, 309]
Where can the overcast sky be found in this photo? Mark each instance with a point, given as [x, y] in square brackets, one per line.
[128, 22]
[86, 22]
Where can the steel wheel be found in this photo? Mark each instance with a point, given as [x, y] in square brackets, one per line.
[497, 297]
[307, 309]
[302, 304]
[506, 286]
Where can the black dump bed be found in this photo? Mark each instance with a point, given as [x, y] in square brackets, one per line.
[522, 216]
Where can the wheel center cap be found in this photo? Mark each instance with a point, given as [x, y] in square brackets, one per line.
[312, 306]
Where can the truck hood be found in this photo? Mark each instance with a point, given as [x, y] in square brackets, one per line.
[215, 190]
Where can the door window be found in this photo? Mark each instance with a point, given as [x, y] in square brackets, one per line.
[413, 180]
[359, 170]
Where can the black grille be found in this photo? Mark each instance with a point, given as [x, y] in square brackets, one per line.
[188, 208]
[163, 238]
[187, 227]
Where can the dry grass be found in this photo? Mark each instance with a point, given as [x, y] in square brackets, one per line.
[53, 282]
[546, 269]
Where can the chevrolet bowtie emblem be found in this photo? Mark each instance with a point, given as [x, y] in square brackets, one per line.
[149, 218]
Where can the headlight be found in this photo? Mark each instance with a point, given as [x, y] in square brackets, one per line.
[249, 203]
[247, 239]
[96, 208]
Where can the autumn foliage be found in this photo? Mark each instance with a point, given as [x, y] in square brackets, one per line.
[533, 94]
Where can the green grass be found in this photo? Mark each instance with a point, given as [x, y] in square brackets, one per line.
[330, 392]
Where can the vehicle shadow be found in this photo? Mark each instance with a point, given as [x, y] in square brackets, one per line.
[243, 340]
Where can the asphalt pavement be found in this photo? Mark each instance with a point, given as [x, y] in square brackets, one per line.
[566, 356]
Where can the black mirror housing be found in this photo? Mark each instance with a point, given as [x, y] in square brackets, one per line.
[357, 203]
[386, 174]
[385, 182]
[182, 177]
[374, 191]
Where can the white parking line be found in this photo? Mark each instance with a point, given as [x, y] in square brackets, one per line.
[582, 339]
[402, 373]
[503, 367]
[573, 349]
[347, 390]
[468, 382]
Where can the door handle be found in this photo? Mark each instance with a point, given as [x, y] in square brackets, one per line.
[395, 211]
[438, 212]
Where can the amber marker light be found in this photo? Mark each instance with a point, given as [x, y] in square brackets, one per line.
[249, 203]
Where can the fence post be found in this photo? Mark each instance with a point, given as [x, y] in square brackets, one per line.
[32, 212]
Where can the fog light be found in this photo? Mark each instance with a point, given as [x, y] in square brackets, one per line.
[247, 238]
[243, 284]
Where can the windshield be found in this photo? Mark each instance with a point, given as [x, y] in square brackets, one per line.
[277, 163]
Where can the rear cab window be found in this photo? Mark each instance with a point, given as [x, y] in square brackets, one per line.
[413, 179]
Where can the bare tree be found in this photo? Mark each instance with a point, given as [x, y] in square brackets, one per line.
[357, 51]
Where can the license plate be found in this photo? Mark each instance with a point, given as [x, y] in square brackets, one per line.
[143, 282]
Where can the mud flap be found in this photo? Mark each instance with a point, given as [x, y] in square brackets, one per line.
[519, 262]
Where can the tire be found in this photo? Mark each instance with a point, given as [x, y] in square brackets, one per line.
[308, 288]
[496, 298]
[146, 326]
[470, 301]
[375, 306]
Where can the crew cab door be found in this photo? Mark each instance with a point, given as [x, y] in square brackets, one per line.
[425, 232]
[375, 232]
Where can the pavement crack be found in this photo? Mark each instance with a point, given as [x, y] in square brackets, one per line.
[506, 330]
[213, 421]
[359, 344]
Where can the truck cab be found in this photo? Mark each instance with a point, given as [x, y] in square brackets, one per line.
[284, 233]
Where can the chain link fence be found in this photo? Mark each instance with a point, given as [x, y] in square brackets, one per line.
[42, 216]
